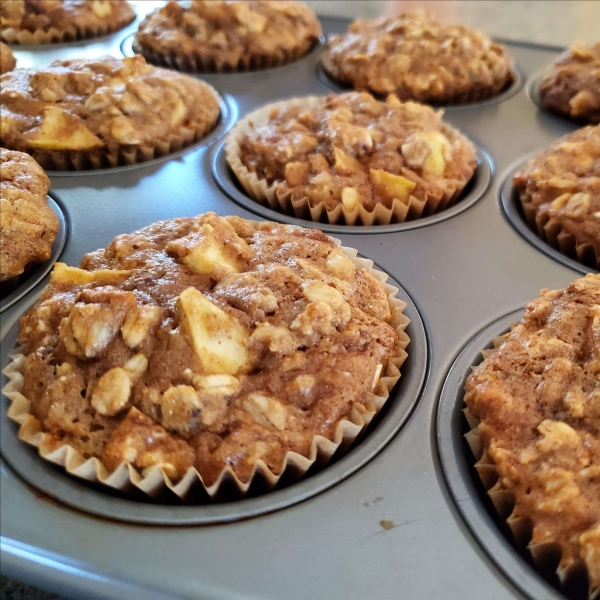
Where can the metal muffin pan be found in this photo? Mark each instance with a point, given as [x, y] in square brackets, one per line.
[37, 272]
[390, 529]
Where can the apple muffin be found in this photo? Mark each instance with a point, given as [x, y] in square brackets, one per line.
[560, 194]
[208, 342]
[28, 226]
[7, 60]
[351, 159]
[226, 35]
[80, 114]
[571, 86]
[537, 400]
[418, 58]
[54, 21]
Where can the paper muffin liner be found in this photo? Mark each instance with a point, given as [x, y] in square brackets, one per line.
[545, 557]
[154, 480]
[277, 198]
[202, 63]
[552, 232]
[464, 97]
[70, 33]
[81, 160]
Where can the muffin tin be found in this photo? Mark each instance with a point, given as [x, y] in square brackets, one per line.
[400, 514]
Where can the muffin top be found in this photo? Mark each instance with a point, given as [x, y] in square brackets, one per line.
[563, 184]
[418, 58]
[28, 226]
[354, 150]
[538, 400]
[7, 60]
[62, 15]
[226, 33]
[571, 86]
[100, 104]
[205, 341]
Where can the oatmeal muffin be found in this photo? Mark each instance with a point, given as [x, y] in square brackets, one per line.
[571, 87]
[537, 402]
[7, 60]
[208, 342]
[560, 194]
[53, 21]
[28, 226]
[227, 36]
[351, 159]
[417, 58]
[80, 114]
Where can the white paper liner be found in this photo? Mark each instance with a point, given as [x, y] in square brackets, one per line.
[154, 480]
[552, 232]
[546, 557]
[279, 199]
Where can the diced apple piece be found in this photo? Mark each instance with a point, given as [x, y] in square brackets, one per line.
[323, 292]
[219, 340]
[101, 8]
[138, 324]
[63, 131]
[344, 163]
[254, 21]
[392, 186]
[436, 161]
[62, 273]
[179, 112]
[340, 265]
[350, 198]
[266, 411]
[112, 392]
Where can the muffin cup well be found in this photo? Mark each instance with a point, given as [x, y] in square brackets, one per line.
[545, 557]
[552, 232]
[154, 480]
[202, 63]
[279, 199]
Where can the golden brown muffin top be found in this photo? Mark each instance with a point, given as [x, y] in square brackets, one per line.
[7, 60]
[205, 341]
[100, 104]
[417, 58]
[355, 150]
[571, 86]
[563, 184]
[538, 399]
[229, 31]
[33, 15]
[28, 226]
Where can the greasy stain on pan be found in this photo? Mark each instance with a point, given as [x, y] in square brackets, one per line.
[168, 509]
[513, 211]
[474, 190]
[35, 273]
[127, 50]
[510, 89]
[466, 488]
[227, 118]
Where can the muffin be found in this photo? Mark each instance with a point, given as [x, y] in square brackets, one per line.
[208, 345]
[81, 114]
[560, 194]
[536, 401]
[54, 21]
[7, 60]
[571, 86]
[418, 58]
[28, 226]
[351, 159]
[227, 36]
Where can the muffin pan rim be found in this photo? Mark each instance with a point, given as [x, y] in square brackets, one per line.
[511, 211]
[40, 270]
[69, 490]
[458, 474]
[479, 184]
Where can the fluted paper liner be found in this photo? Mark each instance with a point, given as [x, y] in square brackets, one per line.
[82, 160]
[154, 480]
[53, 35]
[460, 97]
[546, 557]
[202, 63]
[552, 232]
[279, 199]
